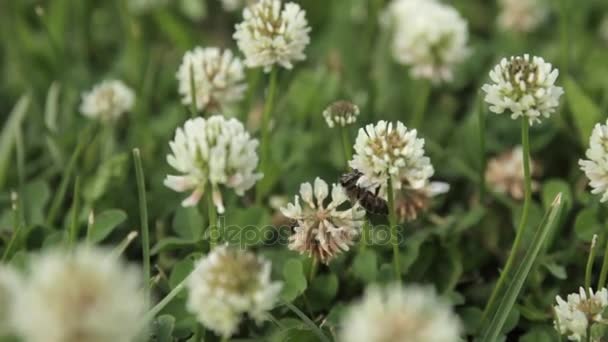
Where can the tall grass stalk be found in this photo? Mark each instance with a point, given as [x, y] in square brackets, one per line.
[143, 217]
[525, 138]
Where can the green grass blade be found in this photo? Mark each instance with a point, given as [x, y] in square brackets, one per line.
[143, 214]
[7, 137]
[491, 332]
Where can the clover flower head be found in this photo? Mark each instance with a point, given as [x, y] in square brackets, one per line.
[396, 313]
[428, 36]
[596, 164]
[341, 113]
[505, 173]
[522, 15]
[411, 202]
[525, 87]
[228, 283]
[85, 295]
[578, 311]
[217, 151]
[107, 101]
[272, 34]
[216, 76]
[322, 230]
[390, 151]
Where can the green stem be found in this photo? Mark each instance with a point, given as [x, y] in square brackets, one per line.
[17, 224]
[365, 241]
[313, 269]
[73, 232]
[589, 267]
[421, 104]
[266, 115]
[604, 272]
[193, 104]
[143, 216]
[525, 128]
[589, 331]
[346, 146]
[392, 219]
[481, 117]
[315, 329]
[164, 302]
[212, 214]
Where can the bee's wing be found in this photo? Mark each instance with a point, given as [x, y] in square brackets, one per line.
[437, 188]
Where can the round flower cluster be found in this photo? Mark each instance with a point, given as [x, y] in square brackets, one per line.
[86, 295]
[216, 76]
[390, 151]
[341, 113]
[596, 167]
[429, 36]
[411, 202]
[323, 231]
[396, 313]
[522, 15]
[505, 173]
[227, 284]
[574, 315]
[215, 150]
[525, 86]
[107, 101]
[272, 34]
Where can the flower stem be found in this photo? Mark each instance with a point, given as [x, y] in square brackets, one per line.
[193, 104]
[73, 232]
[392, 219]
[17, 224]
[604, 272]
[482, 147]
[315, 329]
[143, 215]
[165, 301]
[589, 267]
[313, 269]
[346, 146]
[266, 115]
[421, 104]
[212, 214]
[364, 235]
[525, 138]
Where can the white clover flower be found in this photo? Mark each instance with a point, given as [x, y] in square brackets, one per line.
[400, 314]
[522, 15]
[9, 287]
[86, 295]
[323, 231]
[572, 317]
[107, 101]
[273, 34]
[217, 151]
[596, 167]
[227, 284]
[525, 87]
[505, 173]
[219, 78]
[386, 150]
[341, 113]
[429, 36]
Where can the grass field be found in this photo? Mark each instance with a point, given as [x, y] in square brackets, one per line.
[347, 170]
